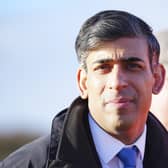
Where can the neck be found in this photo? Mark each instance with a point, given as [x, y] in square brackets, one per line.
[128, 137]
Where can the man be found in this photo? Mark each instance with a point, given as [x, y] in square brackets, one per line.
[160, 102]
[119, 70]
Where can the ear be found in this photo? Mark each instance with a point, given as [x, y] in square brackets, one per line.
[82, 80]
[159, 76]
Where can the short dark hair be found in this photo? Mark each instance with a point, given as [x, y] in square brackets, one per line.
[111, 25]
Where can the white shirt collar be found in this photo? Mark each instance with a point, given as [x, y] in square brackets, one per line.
[108, 146]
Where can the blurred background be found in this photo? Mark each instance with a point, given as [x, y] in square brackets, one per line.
[38, 61]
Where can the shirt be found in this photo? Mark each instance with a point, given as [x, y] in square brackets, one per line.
[108, 147]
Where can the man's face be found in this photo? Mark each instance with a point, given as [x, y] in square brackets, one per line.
[118, 84]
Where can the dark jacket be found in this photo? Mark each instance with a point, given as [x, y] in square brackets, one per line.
[71, 146]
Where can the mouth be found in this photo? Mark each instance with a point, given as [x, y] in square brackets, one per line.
[119, 102]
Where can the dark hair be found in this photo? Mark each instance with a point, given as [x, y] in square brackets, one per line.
[111, 25]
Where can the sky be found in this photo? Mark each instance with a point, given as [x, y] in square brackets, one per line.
[37, 58]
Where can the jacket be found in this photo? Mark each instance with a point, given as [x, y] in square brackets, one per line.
[70, 144]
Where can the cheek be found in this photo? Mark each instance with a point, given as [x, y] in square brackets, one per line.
[143, 88]
[146, 94]
[95, 85]
[145, 83]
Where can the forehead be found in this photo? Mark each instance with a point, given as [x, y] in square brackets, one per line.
[122, 48]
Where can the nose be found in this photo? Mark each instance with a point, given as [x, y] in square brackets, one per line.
[117, 78]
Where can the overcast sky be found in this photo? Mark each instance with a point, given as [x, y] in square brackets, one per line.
[37, 58]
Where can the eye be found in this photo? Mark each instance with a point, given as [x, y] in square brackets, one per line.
[133, 66]
[103, 68]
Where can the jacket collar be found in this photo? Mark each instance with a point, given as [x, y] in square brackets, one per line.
[76, 145]
[156, 149]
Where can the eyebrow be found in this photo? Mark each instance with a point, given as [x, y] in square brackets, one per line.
[106, 60]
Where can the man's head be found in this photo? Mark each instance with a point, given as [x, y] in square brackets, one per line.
[160, 102]
[119, 71]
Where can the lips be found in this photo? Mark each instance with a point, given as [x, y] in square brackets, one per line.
[121, 101]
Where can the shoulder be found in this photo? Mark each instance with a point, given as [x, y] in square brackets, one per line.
[155, 127]
[36, 153]
[158, 134]
[32, 155]
[156, 148]
[154, 123]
